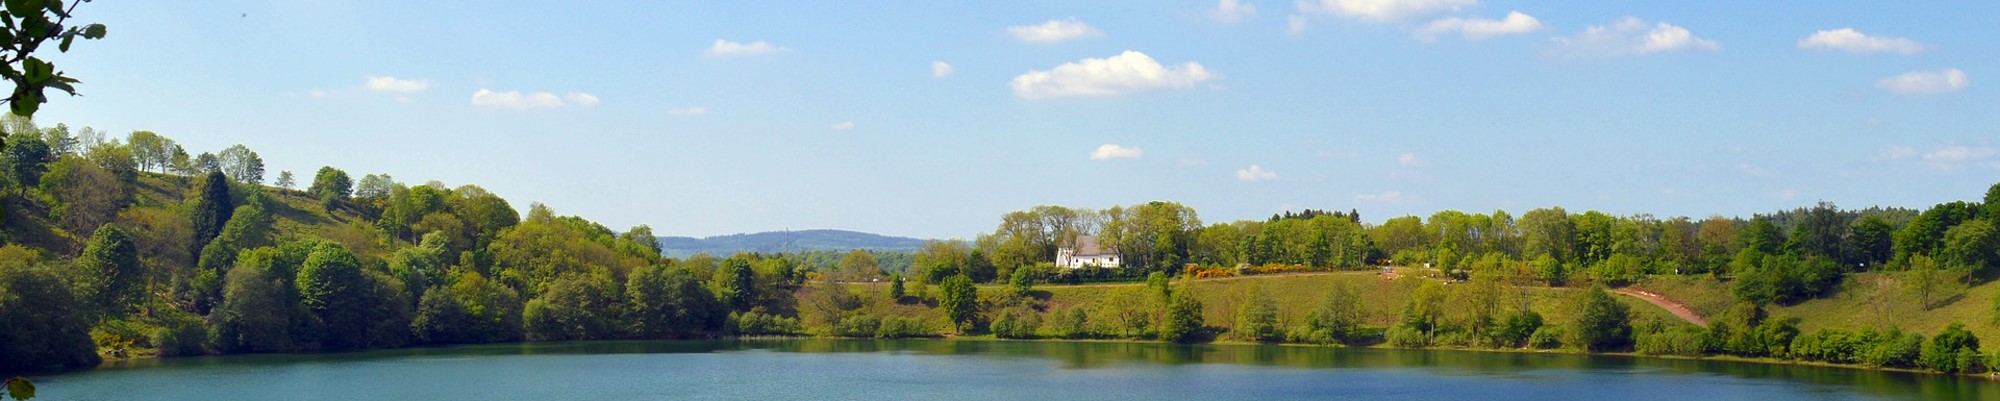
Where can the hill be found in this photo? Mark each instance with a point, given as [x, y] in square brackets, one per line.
[786, 241]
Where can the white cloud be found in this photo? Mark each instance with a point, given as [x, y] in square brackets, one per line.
[940, 69]
[1476, 28]
[393, 84]
[1128, 72]
[1113, 151]
[1411, 160]
[1925, 82]
[1054, 30]
[1630, 36]
[1387, 197]
[1255, 173]
[1295, 25]
[522, 101]
[1899, 152]
[843, 126]
[1383, 10]
[1231, 11]
[1751, 170]
[687, 111]
[726, 48]
[581, 99]
[1953, 154]
[1852, 41]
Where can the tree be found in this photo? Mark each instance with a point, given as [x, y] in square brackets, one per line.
[1023, 280]
[736, 284]
[211, 211]
[29, 25]
[472, 310]
[960, 301]
[1257, 319]
[86, 195]
[1926, 280]
[47, 328]
[285, 180]
[150, 150]
[1546, 232]
[1599, 322]
[1973, 246]
[1425, 308]
[26, 157]
[1183, 322]
[572, 307]
[1873, 241]
[671, 303]
[859, 264]
[336, 292]
[108, 273]
[260, 312]
[242, 164]
[896, 288]
[331, 186]
[643, 236]
[1339, 314]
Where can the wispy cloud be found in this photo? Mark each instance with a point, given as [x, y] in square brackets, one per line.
[1852, 41]
[1125, 73]
[1383, 10]
[1056, 30]
[382, 83]
[1925, 82]
[1387, 197]
[1255, 173]
[940, 69]
[1113, 151]
[1411, 160]
[1476, 28]
[843, 126]
[1629, 36]
[1232, 11]
[1295, 25]
[515, 100]
[726, 48]
[687, 111]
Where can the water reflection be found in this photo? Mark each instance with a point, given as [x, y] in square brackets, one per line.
[1100, 355]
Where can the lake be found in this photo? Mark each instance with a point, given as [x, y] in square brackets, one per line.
[825, 369]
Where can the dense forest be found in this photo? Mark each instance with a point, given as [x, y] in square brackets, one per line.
[130, 247]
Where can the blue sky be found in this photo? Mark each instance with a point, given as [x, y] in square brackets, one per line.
[725, 117]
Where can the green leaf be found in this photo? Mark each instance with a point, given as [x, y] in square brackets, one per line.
[25, 103]
[37, 71]
[25, 8]
[93, 31]
[67, 37]
[20, 388]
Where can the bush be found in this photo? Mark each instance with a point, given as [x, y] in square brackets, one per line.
[1017, 325]
[1953, 350]
[758, 324]
[1402, 336]
[904, 327]
[860, 326]
[1546, 337]
[1071, 323]
[1681, 341]
[1514, 330]
[1828, 345]
[1895, 349]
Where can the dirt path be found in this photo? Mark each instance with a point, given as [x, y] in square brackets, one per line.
[1678, 310]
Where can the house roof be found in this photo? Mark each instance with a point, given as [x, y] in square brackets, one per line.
[1087, 246]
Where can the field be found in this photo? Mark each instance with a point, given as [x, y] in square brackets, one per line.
[1867, 300]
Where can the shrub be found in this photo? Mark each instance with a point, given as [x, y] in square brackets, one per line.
[1682, 341]
[1071, 323]
[1951, 351]
[1895, 349]
[1514, 330]
[1546, 337]
[904, 327]
[1017, 325]
[757, 324]
[1828, 345]
[857, 326]
[1402, 336]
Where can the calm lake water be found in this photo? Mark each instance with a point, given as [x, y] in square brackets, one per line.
[975, 370]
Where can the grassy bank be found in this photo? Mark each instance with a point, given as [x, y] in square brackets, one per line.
[1864, 300]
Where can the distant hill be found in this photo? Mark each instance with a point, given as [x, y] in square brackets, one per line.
[786, 241]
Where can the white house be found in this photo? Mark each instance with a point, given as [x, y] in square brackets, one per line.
[1086, 253]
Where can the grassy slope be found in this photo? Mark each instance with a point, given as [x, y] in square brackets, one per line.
[1870, 300]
